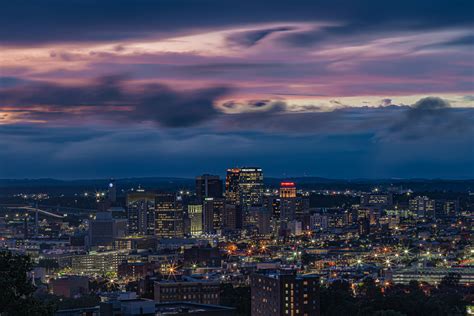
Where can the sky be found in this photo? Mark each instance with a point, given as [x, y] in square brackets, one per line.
[338, 89]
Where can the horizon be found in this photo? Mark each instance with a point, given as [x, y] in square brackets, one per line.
[223, 177]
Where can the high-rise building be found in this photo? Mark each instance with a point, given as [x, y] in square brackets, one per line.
[287, 201]
[195, 219]
[232, 187]
[232, 218]
[422, 206]
[284, 293]
[244, 187]
[251, 186]
[103, 229]
[141, 213]
[168, 216]
[208, 186]
[213, 211]
[287, 190]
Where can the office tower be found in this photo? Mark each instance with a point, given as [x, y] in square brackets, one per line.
[104, 229]
[422, 206]
[141, 213]
[263, 217]
[287, 201]
[212, 210]
[301, 207]
[251, 186]
[377, 199]
[287, 190]
[284, 293]
[232, 188]
[244, 187]
[195, 219]
[208, 186]
[112, 191]
[232, 218]
[446, 208]
[168, 216]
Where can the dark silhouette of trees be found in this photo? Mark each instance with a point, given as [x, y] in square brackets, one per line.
[16, 295]
[450, 298]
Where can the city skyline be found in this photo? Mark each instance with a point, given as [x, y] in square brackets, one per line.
[373, 90]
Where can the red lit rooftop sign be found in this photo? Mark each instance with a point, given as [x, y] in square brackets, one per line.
[287, 184]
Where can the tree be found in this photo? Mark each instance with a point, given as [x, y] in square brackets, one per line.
[451, 280]
[17, 291]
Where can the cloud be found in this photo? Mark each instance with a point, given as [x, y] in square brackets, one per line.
[109, 98]
[251, 38]
[430, 117]
[111, 20]
[434, 117]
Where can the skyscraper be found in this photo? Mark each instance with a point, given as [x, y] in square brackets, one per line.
[213, 212]
[244, 188]
[103, 229]
[251, 186]
[208, 186]
[141, 213]
[195, 219]
[287, 201]
[232, 188]
[287, 190]
[168, 216]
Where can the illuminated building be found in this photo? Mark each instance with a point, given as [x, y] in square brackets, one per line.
[168, 216]
[422, 206]
[284, 293]
[232, 187]
[377, 199]
[244, 187]
[97, 262]
[141, 213]
[188, 290]
[208, 186]
[287, 190]
[251, 186]
[212, 210]
[195, 218]
[433, 275]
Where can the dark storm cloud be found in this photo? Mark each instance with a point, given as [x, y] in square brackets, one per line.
[109, 98]
[27, 21]
[427, 118]
[433, 116]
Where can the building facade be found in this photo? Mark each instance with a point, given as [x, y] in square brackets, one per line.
[284, 293]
